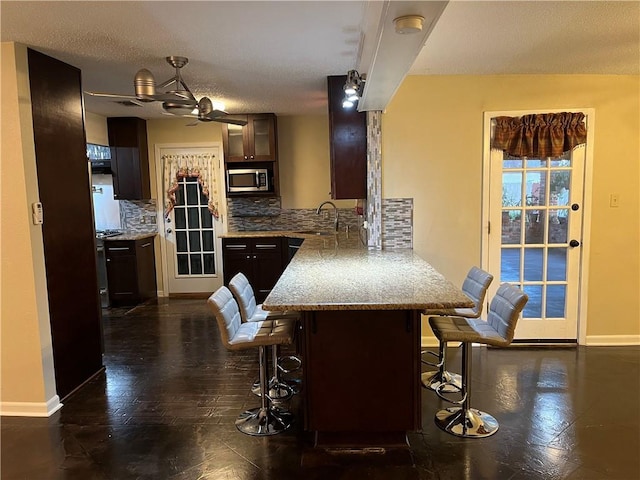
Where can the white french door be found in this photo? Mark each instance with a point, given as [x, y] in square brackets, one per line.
[192, 258]
[536, 212]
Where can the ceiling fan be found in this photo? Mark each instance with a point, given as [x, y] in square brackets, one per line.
[177, 101]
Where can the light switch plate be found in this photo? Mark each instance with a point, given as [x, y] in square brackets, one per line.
[614, 200]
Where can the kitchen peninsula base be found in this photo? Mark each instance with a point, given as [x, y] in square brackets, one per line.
[361, 377]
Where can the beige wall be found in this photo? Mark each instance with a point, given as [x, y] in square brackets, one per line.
[303, 149]
[95, 127]
[27, 357]
[432, 151]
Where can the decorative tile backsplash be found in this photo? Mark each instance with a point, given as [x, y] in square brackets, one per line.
[374, 179]
[397, 223]
[263, 214]
[258, 213]
[138, 216]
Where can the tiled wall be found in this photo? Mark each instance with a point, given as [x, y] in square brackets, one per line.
[138, 216]
[397, 223]
[374, 180]
[258, 213]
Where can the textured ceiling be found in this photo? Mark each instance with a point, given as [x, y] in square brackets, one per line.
[274, 56]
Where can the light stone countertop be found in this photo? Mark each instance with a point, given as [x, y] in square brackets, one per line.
[131, 236]
[328, 277]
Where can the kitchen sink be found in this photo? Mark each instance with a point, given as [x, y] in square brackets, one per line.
[316, 232]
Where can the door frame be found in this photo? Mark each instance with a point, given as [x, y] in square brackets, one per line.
[160, 203]
[586, 202]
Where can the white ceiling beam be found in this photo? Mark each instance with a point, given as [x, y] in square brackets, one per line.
[387, 56]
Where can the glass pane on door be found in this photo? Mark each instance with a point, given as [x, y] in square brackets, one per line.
[534, 232]
[194, 230]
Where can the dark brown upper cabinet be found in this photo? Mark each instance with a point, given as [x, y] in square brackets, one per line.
[254, 142]
[129, 158]
[348, 144]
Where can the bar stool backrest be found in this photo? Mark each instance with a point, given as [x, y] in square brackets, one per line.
[505, 309]
[226, 311]
[245, 296]
[475, 287]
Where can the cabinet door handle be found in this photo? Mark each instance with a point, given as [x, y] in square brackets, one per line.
[235, 247]
[248, 257]
[145, 245]
[113, 249]
[266, 246]
[255, 256]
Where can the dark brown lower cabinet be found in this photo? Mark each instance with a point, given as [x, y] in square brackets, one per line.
[362, 376]
[262, 260]
[131, 271]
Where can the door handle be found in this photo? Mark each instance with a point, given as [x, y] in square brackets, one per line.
[574, 243]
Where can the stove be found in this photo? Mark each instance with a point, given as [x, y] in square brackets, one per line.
[107, 233]
[102, 264]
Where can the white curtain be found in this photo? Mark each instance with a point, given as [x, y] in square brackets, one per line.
[199, 165]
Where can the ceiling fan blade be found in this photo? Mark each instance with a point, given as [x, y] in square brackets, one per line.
[173, 97]
[232, 121]
[115, 95]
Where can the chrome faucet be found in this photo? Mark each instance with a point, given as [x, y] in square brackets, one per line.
[335, 211]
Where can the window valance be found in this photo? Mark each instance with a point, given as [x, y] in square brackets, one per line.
[191, 165]
[539, 135]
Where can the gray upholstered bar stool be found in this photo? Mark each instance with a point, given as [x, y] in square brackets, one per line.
[267, 419]
[497, 330]
[250, 311]
[475, 287]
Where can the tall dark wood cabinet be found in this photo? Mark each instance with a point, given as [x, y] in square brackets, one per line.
[129, 158]
[68, 235]
[348, 144]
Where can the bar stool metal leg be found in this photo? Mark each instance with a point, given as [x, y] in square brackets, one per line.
[433, 379]
[266, 419]
[278, 389]
[465, 421]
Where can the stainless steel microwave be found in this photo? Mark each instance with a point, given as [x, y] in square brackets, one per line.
[248, 180]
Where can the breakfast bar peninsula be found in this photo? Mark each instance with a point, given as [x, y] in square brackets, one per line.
[361, 337]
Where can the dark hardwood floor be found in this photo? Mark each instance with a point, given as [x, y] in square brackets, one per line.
[165, 405]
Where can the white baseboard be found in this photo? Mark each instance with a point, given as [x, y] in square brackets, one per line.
[612, 340]
[31, 409]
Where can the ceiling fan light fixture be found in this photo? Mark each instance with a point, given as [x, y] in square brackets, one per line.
[408, 24]
[144, 84]
[178, 108]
